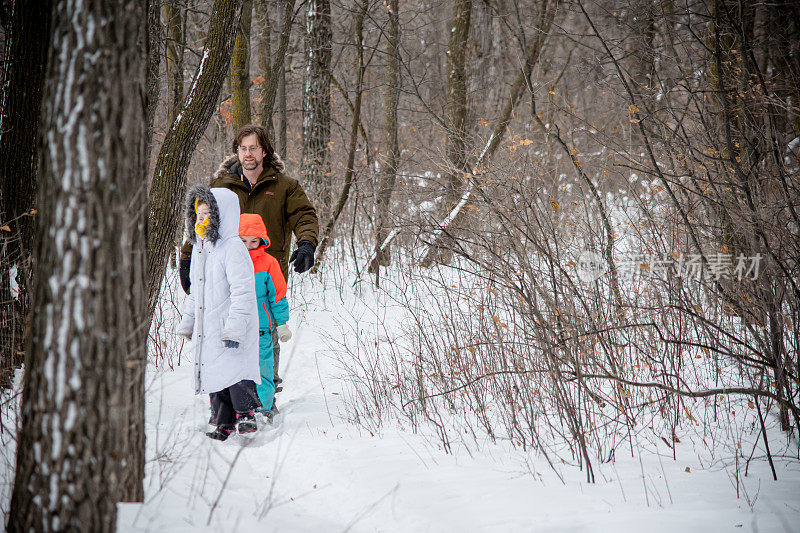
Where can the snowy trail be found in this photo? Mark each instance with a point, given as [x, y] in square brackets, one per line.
[312, 471]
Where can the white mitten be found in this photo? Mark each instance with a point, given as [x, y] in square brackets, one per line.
[284, 333]
[186, 328]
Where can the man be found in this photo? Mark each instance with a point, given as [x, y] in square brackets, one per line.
[255, 174]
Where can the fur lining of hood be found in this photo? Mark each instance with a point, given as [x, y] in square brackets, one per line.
[204, 194]
[231, 165]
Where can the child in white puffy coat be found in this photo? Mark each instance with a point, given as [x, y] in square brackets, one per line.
[220, 314]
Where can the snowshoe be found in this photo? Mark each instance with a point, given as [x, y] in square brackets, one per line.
[221, 433]
[246, 423]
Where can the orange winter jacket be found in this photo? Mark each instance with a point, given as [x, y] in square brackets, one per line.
[273, 308]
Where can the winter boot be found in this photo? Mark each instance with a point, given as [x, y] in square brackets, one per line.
[246, 422]
[221, 433]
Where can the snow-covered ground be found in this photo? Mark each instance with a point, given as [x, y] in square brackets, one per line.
[314, 471]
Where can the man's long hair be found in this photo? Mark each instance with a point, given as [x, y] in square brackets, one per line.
[270, 157]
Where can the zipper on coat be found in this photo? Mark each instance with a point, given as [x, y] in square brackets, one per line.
[269, 318]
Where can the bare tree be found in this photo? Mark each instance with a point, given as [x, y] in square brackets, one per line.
[154, 42]
[133, 449]
[90, 289]
[169, 179]
[532, 53]
[240, 68]
[175, 25]
[286, 23]
[456, 118]
[27, 41]
[327, 232]
[392, 146]
[273, 68]
[317, 100]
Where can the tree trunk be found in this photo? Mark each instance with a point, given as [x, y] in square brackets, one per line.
[90, 292]
[389, 169]
[351, 156]
[274, 72]
[153, 35]
[174, 21]
[482, 67]
[317, 102]
[456, 115]
[132, 482]
[240, 68]
[456, 105]
[281, 148]
[264, 48]
[169, 179]
[27, 42]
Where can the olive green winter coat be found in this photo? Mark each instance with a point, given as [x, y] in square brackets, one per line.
[281, 202]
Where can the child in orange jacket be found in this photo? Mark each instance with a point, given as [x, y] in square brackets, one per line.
[273, 309]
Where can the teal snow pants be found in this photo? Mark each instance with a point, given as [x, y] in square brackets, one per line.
[266, 362]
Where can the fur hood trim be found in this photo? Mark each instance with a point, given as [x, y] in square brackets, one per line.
[204, 194]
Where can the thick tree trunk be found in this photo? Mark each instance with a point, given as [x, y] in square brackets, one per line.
[90, 295]
[240, 68]
[169, 179]
[132, 482]
[317, 102]
[389, 170]
[27, 43]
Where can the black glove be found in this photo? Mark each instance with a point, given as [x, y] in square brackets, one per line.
[231, 344]
[303, 257]
[183, 270]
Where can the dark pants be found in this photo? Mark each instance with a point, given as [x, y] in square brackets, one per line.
[276, 355]
[238, 398]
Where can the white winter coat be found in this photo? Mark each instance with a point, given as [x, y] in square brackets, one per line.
[222, 301]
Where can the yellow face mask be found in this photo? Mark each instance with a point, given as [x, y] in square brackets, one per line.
[201, 227]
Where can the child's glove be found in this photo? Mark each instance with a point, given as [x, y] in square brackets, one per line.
[284, 333]
[231, 344]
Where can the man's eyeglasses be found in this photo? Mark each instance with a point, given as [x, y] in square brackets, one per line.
[251, 149]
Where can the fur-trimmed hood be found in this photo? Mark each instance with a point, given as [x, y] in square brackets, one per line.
[224, 219]
[231, 165]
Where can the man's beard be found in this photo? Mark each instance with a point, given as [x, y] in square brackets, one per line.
[250, 165]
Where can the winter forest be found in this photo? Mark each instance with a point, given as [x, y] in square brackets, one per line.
[530, 265]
